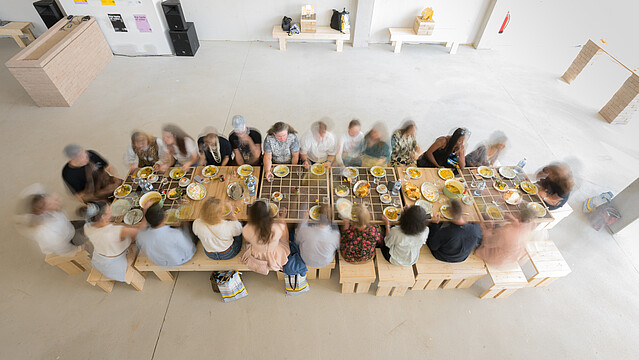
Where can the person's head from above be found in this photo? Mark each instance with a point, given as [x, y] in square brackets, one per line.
[140, 140]
[260, 217]
[408, 128]
[324, 213]
[413, 220]
[240, 126]
[363, 216]
[354, 128]
[155, 216]
[457, 140]
[209, 136]
[456, 210]
[174, 135]
[97, 213]
[377, 134]
[318, 129]
[526, 214]
[76, 154]
[41, 203]
[560, 174]
[497, 140]
[280, 131]
[212, 211]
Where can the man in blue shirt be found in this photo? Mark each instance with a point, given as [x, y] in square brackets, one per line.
[164, 245]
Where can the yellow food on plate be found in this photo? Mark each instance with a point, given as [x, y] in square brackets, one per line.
[145, 172]
[176, 174]
[485, 172]
[494, 213]
[314, 214]
[245, 170]
[281, 170]
[378, 171]
[445, 174]
[318, 169]
[411, 191]
[414, 173]
[363, 189]
[274, 209]
[122, 190]
[430, 192]
[453, 189]
[209, 171]
[445, 211]
[392, 213]
[529, 187]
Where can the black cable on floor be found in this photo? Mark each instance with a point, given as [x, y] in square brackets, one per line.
[177, 275]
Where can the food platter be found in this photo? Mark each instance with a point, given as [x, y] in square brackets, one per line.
[428, 207]
[318, 169]
[500, 186]
[512, 197]
[235, 191]
[314, 212]
[344, 208]
[341, 190]
[196, 191]
[445, 211]
[350, 172]
[507, 172]
[145, 172]
[453, 189]
[122, 191]
[392, 213]
[413, 173]
[538, 208]
[529, 187]
[361, 188]
[245, 170]
[445, 174]
[430, 192]
[185, 211]
[378, 171]
[411, 191]
[485, 172]
[153, 197]
[120, 207]
[133, 217]
[176, 173]
[281, 171]
[210, 171]
[494, 212]
[174, 194]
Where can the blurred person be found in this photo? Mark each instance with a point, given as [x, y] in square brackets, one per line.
[144, 150]
[377, 150]
[359, 238]
[403, 243]
[246, 142]
[405, 150]
[281, 146]
[318, 145]
[87, 175]
[267, 239]
[351, 145]
[214, 149]
[487, 153]
[446, 151]
[221, 239]
[317, 243]
[179, 149]
[506, 244]
[555, 183]
[453, 241]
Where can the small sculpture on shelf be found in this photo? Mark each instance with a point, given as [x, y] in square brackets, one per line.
[308, 19]
[424, 24]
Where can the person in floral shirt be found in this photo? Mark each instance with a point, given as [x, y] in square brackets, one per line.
[358, 239]
[404, 145]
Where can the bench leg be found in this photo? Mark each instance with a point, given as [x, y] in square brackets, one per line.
[466, 283]
[339, 44]
[325, 273]
[420, 285]
[362, 288]
[164, 275]
[383, 290]
[282, 44]
[453, 48]
[29, 34]
[399, 291]
[545, 282]
[107, 286]
[137, 280]
[280, 275]
[19, 41]
[452, 283]
[71, 268]
[348, 288]
[505, 293]
[311, 274]
[433, 284]
[398, 47]
[83, 260]
[491, 292]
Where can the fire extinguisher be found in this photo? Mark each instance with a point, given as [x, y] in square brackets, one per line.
[506, 22]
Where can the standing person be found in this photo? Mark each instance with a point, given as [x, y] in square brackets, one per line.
[487, 153]
[317, 243]
[403, 243]
[179, 148]
[446, 151]
[452, 242]
[144, 150]
[164, 245]
[214, 149]
[318, 145]
[221, 239]
[555, 184]
[404, 145]
[506, 244]
[351, 145]
[267, 239]
[377, 151]
[281, 146]
[87, 175]
[359, 238]
[246, 142]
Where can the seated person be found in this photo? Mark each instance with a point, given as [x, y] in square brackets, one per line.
[404, 145]
[317, 243]
[266, 239]
[87, 175]
[318, 145]
[179, 149]
[506, 244]
[351, 145]
[446, 151]
[377, 151]
[402, 243]
[162, 244]
[359, 238]
[144, 150]
[487, 153]
[555, 183]
[455, 240]
[246, 142]
[214, 149]
[280, 147]
[221, 239]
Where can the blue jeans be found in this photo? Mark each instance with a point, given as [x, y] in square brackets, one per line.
[230, 252]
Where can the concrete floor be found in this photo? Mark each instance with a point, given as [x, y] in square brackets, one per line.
[593, 313]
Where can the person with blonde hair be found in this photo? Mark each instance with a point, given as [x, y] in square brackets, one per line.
[214, 149]
[359, 238]
[221, 239]
[144, 150]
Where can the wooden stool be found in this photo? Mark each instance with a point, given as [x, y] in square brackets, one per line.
[506, 280]
[315, 273]
[431, 273]
[394, 280]
[356, 278]
[17, 29]
[71, 265]
[133, 277]
[547, 261]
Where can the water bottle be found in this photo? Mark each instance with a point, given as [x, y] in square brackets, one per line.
[396, 188]
[251, 186]
[520, 165]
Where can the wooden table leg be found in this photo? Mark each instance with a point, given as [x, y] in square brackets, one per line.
[29, 34]
[398, 47]
[340, 45]
[348, 288]
[164, 275]
[19, 41]
[282, 44]
[362, 288]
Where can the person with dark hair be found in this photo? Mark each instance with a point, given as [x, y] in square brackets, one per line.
[555, 183]
[317, 243]
[87, 175]
[164, 245]
[446, 151]
[214, 149]
[318, 145]
[144, 150]
[402, 243]
[377, 151]
[404, 145]
[267, 239]
[351, 145]
[506, 244]
[281, 146]
[245, 142]
[487, 153]
[453, 241]
[179, 148]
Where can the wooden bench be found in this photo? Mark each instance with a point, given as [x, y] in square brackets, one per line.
[547, 261]
[431, 273]
[199, 262]
[315, 273]
[132, 277]
[322, 33]
[71, 265]
[506, 280]
[394, 280]
[400, 35]
[16, 29]
[356, 278]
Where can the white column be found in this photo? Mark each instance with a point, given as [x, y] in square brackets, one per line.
[363, 20]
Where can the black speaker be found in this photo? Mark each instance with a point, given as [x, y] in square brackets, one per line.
[174, 15]
[185, 42]
[49, 12]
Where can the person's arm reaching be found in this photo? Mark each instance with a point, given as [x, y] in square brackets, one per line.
[438, 144]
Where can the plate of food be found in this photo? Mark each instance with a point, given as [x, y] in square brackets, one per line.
[235, 191]
[538, 208]
[485, 172]
[385, 198]
[378, 171]
[381, 189]
[196, 191]
[413, 173]
[445, 211]
[392, 213]
[245, 170]
[170, 217]
[507, 172]
[185, 211]
[512, 197]
[122, 191]
[430, 192]
[176, 173]
[277, 196]
[362, 188]
[273, 209]
[445, 173]
[150, 198]
[174, 194]
[210, 171]
[341, 190]
[153, 178]
[467, 199]
[145, 172]
[494, 212]
[428, 207]
[411, 191]
[453, 189]
[281, 171]
[529, 188]
[120, 207]
[184, 182]
[344, 208]
[314, 212]
[350, 172]
[500, 186]
[227, 209]
[318, 169]
[133, 217]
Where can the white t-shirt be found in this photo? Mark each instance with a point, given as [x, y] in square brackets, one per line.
[318, 151]
[350, 146]
[317, 244]
[218, 237]
[106, 240]
[132, 158]
[53, 232]
[191, 150]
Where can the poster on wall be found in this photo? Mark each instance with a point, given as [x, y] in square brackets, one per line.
[142, 23]
[81, 2]
[108, 2]
[117, 22]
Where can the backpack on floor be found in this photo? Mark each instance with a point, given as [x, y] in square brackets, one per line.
[286, 23]
[340, 20]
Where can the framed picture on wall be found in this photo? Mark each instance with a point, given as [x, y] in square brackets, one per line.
[117, 22]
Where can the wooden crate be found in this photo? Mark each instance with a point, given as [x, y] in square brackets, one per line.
[421, 27]
[58, 66]
[308, 23]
